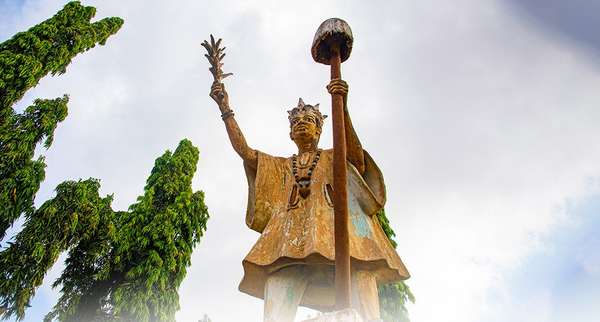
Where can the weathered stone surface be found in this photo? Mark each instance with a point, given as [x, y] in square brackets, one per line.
[301, 231]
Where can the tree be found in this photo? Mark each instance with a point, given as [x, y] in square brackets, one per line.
[393, 297]
[156, 239]
[74, 218]
[46, 48]
[121, 265]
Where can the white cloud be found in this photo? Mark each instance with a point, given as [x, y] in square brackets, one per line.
[482, 124]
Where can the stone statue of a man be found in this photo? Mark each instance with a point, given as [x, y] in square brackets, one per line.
[290, 205]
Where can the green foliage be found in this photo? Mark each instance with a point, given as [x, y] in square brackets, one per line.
[20, 175]
[48, 48]
[73, 216]
[393, 297]
[132, 273]
[121, 266]
[157, 237]
[387, 229]
[24, 59]
[392, 302]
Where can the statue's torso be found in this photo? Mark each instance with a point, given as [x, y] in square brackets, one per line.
[297, 230]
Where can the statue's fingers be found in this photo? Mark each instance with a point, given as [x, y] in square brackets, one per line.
[342, 87]
[337, 89]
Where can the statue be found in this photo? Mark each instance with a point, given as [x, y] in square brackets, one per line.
[290, 203]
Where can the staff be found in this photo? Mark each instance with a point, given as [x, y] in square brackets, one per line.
[332, 46]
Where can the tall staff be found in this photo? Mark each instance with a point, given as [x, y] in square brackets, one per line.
[332, 46]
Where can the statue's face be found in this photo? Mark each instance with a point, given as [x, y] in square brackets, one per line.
[304, 128]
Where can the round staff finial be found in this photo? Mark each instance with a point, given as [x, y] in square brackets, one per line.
[332, 31]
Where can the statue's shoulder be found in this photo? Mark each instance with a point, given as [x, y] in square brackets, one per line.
[273, 158]
[326, 152]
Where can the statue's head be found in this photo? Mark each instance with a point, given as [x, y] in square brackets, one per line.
[306, 122]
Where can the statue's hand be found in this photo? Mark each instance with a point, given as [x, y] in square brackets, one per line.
[338, 86]
[219, 94]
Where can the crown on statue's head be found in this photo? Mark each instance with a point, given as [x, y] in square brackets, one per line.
[302, 109]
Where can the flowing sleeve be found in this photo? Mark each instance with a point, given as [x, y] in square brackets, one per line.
[368, 188]
[267, 190]
[374, 179]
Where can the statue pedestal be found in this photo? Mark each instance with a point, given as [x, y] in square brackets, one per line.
[347, 315]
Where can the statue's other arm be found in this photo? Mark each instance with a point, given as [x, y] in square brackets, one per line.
[354, 150]
[238, 142]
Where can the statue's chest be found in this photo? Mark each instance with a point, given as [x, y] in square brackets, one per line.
[311, 182]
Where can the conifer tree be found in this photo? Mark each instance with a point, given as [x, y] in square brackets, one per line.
[156, 239]
[75, 216]
[27, 57]
[393, 297]
[149, 252]
[121, 266]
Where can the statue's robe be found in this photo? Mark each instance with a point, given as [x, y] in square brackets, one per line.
[295, 230]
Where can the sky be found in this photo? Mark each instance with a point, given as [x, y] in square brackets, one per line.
[482, 114]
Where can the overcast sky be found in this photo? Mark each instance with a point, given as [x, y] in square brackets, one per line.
[484, 116]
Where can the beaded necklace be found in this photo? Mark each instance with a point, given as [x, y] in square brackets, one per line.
[304, 182]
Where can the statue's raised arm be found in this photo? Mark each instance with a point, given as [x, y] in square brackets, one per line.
[218, 93]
